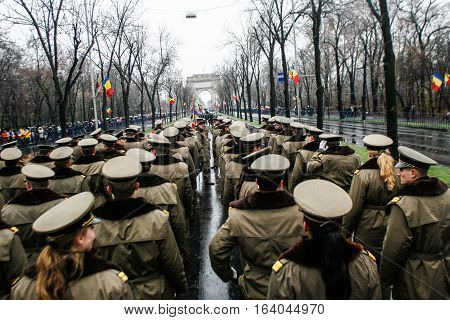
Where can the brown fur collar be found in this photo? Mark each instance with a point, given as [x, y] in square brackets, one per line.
[92, 264]
[147, 180]
[124, 209]
[296, 138]
[165, 159]
[265, 201]
[229, 143]
[309, 253]
[4, 225]
[108, 154]
[41, 159]
[35, 197]
[88, 159]
[64, 172]
[424, 187]
[312, 146]
[10, 171]
[370, 164]
[235, 149]
[340, 151]
[268, 127]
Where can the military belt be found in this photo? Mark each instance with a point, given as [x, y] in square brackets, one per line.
[426, 256]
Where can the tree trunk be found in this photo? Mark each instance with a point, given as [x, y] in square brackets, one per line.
[338, 82]
[287, 102]
[272, 83]
[317, 63]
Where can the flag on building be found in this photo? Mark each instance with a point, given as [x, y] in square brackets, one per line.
[436, 83]
[109, 110]
[293, 75]
[280, 77]
[108, 88]
[447, 78]
[171, 101]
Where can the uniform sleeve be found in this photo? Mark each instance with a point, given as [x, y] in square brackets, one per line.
[172, 263]
[280, 285]
[358, 193]
[297, 172]
[178, 225]
[18, 260]
[220, 249]
[396, 245]
[228, 192]
[314, 166]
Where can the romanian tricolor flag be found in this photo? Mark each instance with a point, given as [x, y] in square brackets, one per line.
[108, 88]
[171, 101]
[109, 110]
[436, 83]
[293, 75]
[447, 78]
[194, 120]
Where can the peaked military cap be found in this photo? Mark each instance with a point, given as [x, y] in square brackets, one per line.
[11, 154]
[255, 155]
[61, 153]
[265, 117]
[63, 141]
[9, 145]
[330, 137]
[297, 125]
[121, 169]
[36, 172]
[227, 121]
[272, 164]
[143, 156]
[45, 147]
[220, 118]
[109, 131]
[201, 121]
[154, 138]
[78, 137]
[377, 142]
[158, 122]
[95, 132]
[119, 134]
[313, 130]
[170, 132]
[135, 127]
[180, 124]
[107, 138]
[321, 200]
[67, 217]
[252, 137]
[271, 120]
[409, 158]
[131, 130]
[283, 120]
[238, 131]
[88, 143]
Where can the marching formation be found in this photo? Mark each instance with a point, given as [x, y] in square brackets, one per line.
[108, 216]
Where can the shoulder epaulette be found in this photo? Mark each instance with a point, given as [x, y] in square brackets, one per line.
[395, 200]
[370, 255]
[356, 172]
[122, 276]
[166, 212]
[5, 206]
[174, 184]
[277, 266]
[15, 280]
[320, 155]
[14, 229]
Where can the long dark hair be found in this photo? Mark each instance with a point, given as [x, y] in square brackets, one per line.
[334, 264]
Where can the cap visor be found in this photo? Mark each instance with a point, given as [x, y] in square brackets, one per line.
[95, 221]
[401, 165]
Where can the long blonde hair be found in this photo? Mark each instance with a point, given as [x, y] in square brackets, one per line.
[386, 164]
[55, 265]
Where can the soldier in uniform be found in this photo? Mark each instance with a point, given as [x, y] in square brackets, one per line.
[66, 181]
[157, 190]
[185, 139]
[76, 148]
[158, 127]
[12, 181]
[64, 142]
[13, 258]
[373, 184]
[96, 134]
[290, 147]
[283, 135]
[333, 162]
[42, 158]
[305, 154]
[205, 153]
[247, 180]
[67, 268]
[263, 225]
[325, 266]
[216, 129]
[24, 209]
[109, 149]
[132, 140]
[416, 247]
[266, 128]
[12, 144]
[137, 235]
[173, 170]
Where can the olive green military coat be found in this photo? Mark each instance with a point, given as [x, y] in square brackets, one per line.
[416, 249]
[137, 236]
[43, 161]
[13, 258]
[299, 172]
[233, 171]
[23, 210]
[336, 164]
[298, 275]
[12, 182]
[367, 220]
[290, 148]
[135, 145]
[100, 280]
[262, 225]
[68, 182]
[159, 191]
[91, 167]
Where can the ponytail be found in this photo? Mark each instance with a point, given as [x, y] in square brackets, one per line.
[335, 271]
[387, 171]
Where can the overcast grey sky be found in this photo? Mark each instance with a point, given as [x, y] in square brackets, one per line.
[202, 38]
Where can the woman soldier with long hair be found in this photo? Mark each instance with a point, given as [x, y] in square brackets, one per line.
[66, 268]
[373, 185]
[325, 266]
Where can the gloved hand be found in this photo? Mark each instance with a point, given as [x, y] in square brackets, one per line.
[323, 145]
[235, 275]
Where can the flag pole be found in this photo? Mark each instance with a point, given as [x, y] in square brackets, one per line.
[92, 69]
[295, 61]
